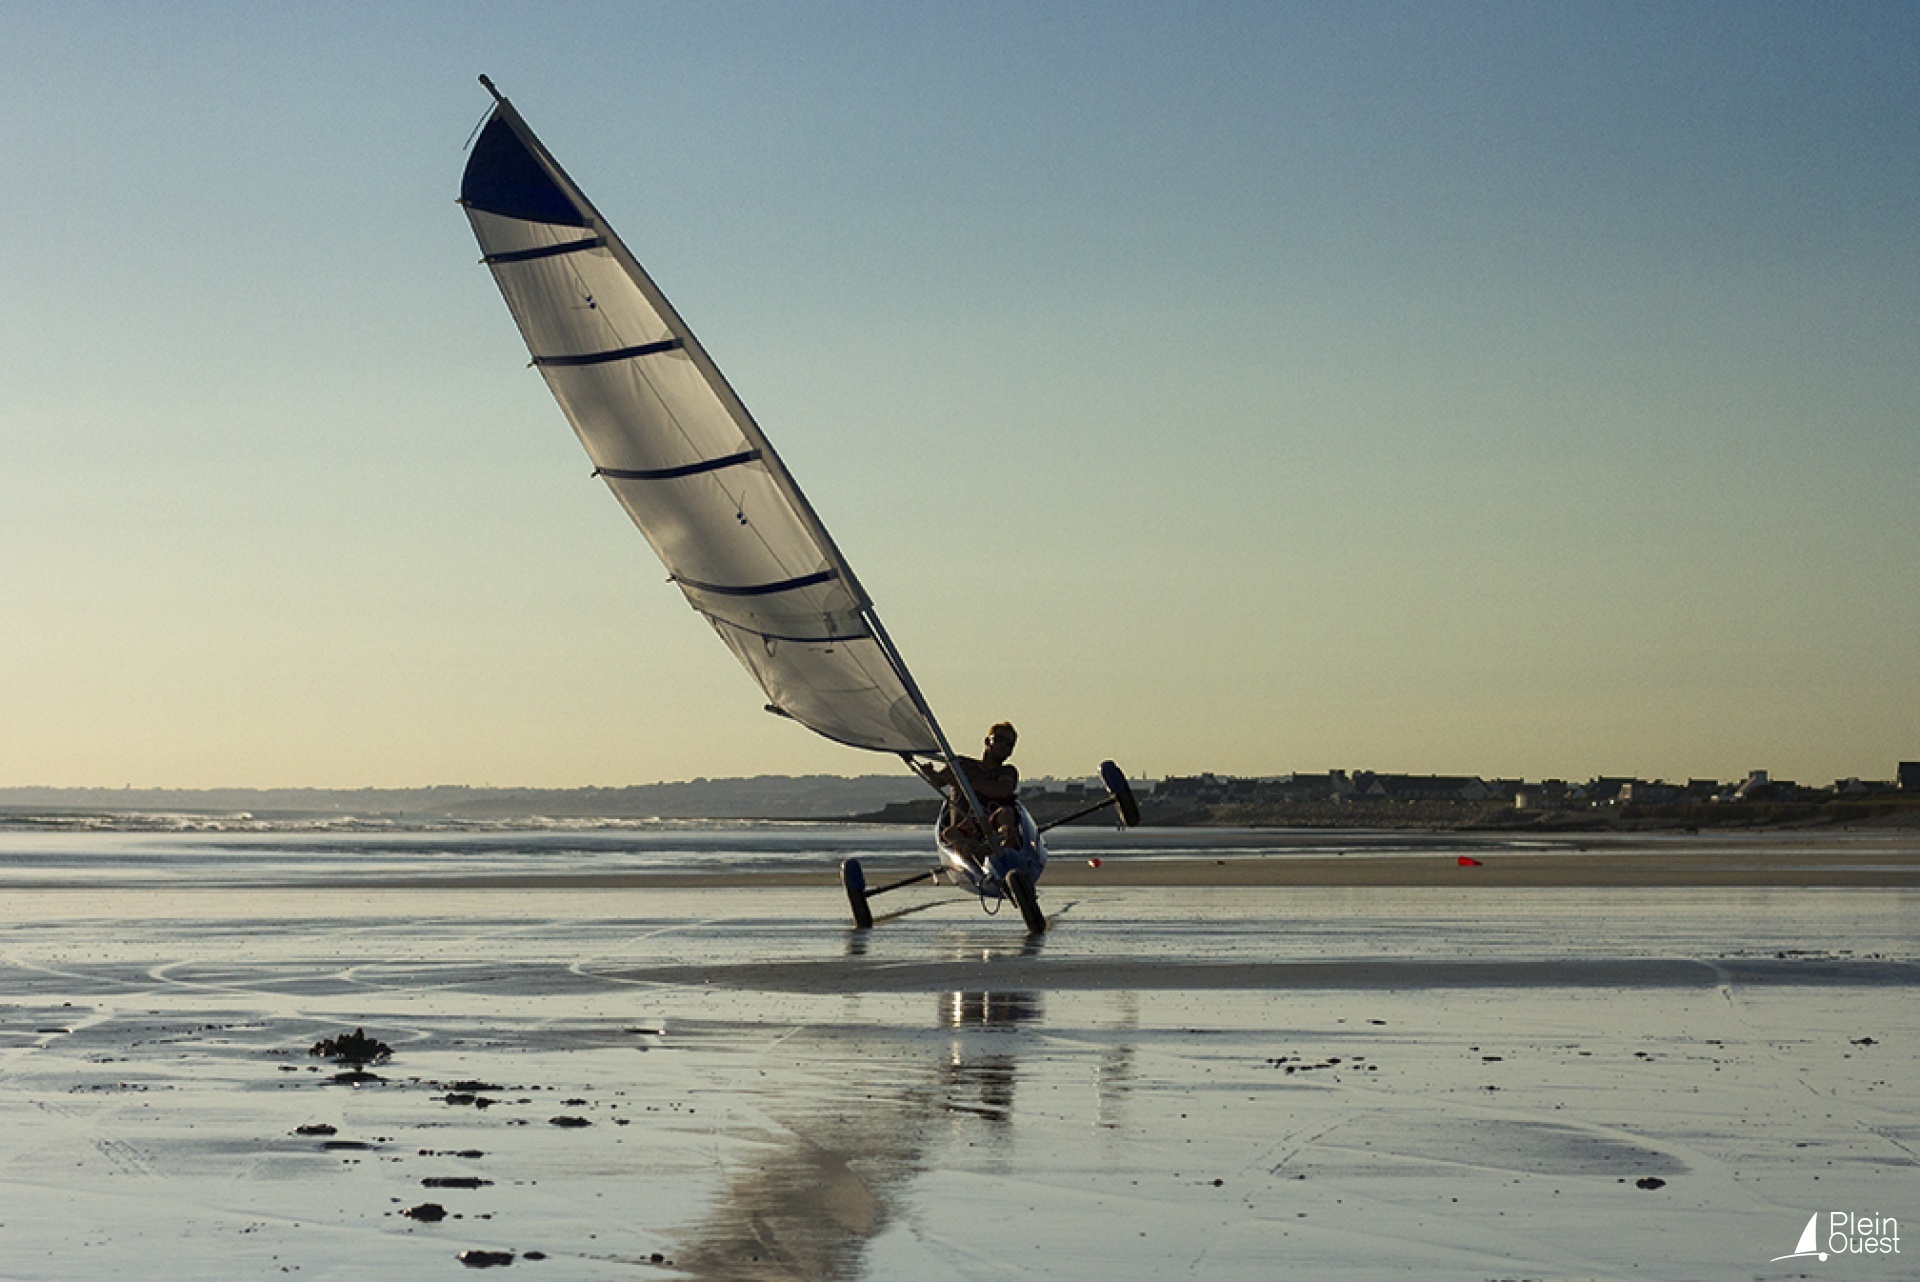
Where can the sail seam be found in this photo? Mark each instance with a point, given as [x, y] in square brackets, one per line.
[776, 636]
[617, 354]
[761, 589]
[673, 473]
[544, 251]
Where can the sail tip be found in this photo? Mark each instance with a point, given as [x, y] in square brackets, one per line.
[488, 84]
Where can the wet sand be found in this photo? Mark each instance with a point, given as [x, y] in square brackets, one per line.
[1772, 859]
[1618, 868]
[1403, 860]
[1204, 1069]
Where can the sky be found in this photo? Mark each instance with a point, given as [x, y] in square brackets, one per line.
[1499, 389]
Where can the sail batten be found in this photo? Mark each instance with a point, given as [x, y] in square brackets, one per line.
[682, 455]
[542, 251]
[762, 589]
[617, 354]
[675, 473]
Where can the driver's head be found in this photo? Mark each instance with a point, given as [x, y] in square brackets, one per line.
[1001, 738]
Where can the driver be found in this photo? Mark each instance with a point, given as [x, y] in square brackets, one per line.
[995, 782]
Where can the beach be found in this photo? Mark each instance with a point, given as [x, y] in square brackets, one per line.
[665, 1053]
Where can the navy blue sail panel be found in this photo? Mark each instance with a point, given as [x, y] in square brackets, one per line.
[504, 177]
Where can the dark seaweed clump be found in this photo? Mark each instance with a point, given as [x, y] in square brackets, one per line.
[354, 1048]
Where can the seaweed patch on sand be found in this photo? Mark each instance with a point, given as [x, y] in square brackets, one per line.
[355, 1049]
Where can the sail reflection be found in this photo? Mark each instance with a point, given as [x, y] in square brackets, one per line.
[835, 1169]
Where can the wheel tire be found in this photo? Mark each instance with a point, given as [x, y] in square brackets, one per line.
[1020, 890]
[1115, 780]
[854, 878]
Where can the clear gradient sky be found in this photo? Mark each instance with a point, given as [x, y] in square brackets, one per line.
[1502, 389]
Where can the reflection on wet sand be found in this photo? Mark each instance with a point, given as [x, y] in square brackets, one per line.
[835, 1172]
[979, 1075]
[804, 1200]
[1113, 1076]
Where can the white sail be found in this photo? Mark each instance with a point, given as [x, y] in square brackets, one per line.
[682, 455]
[1809, 1243]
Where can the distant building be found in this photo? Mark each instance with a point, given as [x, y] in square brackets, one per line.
[1638, 792]
[1907, 778]
[1548, 794]
[1428, 787]
[1538, 797]
[1297, 787]
[1206, 789]
[1604, 790]
[1504, 789]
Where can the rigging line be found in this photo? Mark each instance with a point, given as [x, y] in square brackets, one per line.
[476, 130]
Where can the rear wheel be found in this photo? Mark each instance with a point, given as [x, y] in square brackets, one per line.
[854, 878]
[1020, 891]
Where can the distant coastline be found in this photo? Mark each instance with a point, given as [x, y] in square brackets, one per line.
[890, 799]
[793, 797]
[1480, 816]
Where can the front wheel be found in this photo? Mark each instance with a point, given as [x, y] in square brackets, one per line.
[1020, 891]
